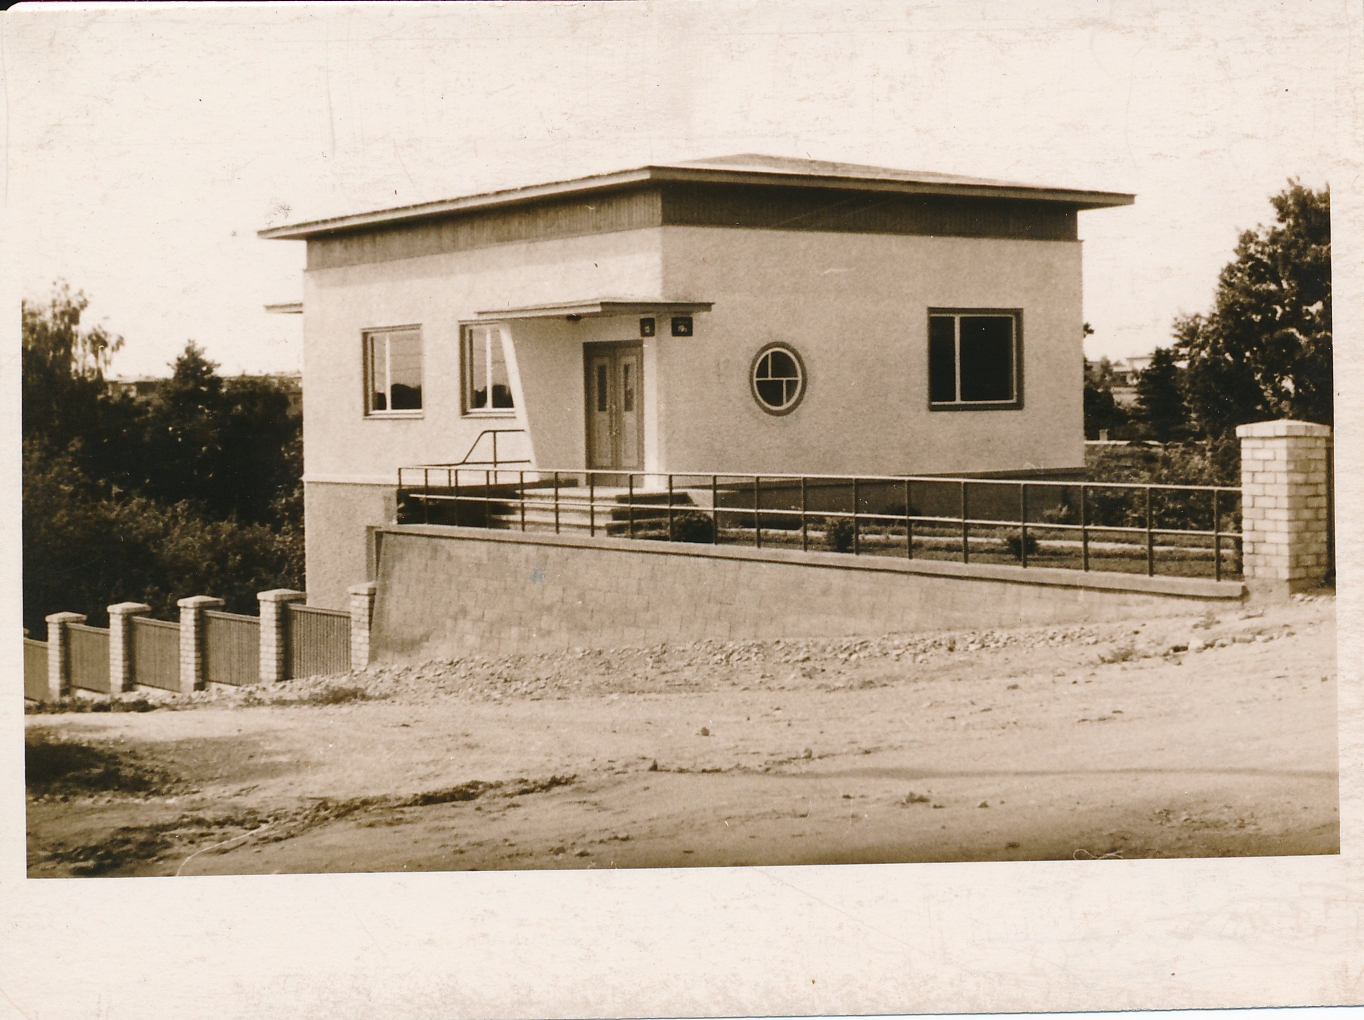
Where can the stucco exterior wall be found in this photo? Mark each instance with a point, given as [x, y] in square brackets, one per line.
[449, 592]
[439, 293]
[335, 517]
[855, 307]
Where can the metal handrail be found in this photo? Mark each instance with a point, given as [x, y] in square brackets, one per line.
[526, 497]
[474, 446]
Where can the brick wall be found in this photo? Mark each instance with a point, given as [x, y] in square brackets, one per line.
[445, 592]
[1285, 513]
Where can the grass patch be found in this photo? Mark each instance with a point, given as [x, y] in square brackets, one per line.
[63, 705]
[55, 768]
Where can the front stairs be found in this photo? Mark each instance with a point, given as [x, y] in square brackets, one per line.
[578, 510]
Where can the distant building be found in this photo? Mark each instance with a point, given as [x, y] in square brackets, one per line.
[1126, 372]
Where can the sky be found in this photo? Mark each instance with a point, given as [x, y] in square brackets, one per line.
[147, 146]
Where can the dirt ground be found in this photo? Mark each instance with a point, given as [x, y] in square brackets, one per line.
[1127, 739]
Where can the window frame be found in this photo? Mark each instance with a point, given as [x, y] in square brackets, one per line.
[787, 348]
[367, 338]
[466, 373]
[1015, 402]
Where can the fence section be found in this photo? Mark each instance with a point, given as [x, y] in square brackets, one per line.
[318, 641]
[89, 657]
[156, 653]
[231, 648]
[1183, 531]
[35, 669]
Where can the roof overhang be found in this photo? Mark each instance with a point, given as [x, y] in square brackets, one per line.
[286, 308]
[903, 182]
[595, 309]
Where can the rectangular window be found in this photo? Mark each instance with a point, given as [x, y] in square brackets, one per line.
[973, 359]
[393, 371]
[487, 384]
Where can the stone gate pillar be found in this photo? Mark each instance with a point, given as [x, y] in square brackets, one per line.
[1285, 506]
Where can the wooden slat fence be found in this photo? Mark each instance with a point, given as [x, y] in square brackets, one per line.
[156, 653]
[319, 641]
[89, 657]
[231, 648]
[35, 669]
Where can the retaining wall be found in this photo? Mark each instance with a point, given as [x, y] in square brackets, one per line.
[445, 592]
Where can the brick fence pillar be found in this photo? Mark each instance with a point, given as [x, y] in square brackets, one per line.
[121, 644]
[59, 652]
[274, 632]
[361, 616]
[192, 639]
[1284, 506]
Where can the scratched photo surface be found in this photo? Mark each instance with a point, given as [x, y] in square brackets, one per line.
[670, 439]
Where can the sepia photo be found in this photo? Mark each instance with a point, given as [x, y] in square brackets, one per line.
[689, 441]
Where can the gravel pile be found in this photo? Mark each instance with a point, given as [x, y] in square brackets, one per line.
[811, 663]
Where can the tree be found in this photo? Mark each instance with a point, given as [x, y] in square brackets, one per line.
[1102, 412]
[1265, 349]
[230, 446]
[1161, 409]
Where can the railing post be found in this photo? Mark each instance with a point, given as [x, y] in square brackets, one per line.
[521, 496]
[426, 496]
[495, 431]
[857, 549]
[1150, 538]
[192, 639]
[804, 521]
[714, 512]
[965, 528]
[757, 514]
[274, 632]
[629, 502]
[556, 502]
[909, 525]
[592, 505]
[59, 653]
[1216, 537]
[487, 498]
[121, 644]
[1023, 523]
[456, 500]
[1084, 530]
[361, 617]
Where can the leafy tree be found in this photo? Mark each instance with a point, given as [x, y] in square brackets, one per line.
[197, 493]
[1161, 409]
[232, 447]
[1102, 412]
[1265, 349]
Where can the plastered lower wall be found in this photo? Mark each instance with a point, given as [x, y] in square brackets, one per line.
[448, 592]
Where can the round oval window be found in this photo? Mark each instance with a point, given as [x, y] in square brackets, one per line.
[778, 379]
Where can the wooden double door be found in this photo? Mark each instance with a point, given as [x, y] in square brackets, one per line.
[615, 405]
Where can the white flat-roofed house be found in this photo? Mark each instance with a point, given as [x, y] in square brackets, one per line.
[741, 314]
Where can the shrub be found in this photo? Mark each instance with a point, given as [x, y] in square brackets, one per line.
[1015, 544]
[693, 526]
[838, 533]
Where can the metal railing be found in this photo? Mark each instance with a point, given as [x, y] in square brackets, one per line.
[1191, 530]
[495, 462]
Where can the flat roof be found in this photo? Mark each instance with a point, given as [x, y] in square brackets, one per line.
[593, 308]
[749, 168]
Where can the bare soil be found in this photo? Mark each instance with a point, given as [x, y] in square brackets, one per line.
[1116, 740]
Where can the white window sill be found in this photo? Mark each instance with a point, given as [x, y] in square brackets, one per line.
[502, 414]
[391, 415]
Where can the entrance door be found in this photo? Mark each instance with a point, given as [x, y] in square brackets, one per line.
[615, 405]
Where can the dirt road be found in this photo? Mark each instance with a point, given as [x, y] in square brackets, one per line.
[1123, 740]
